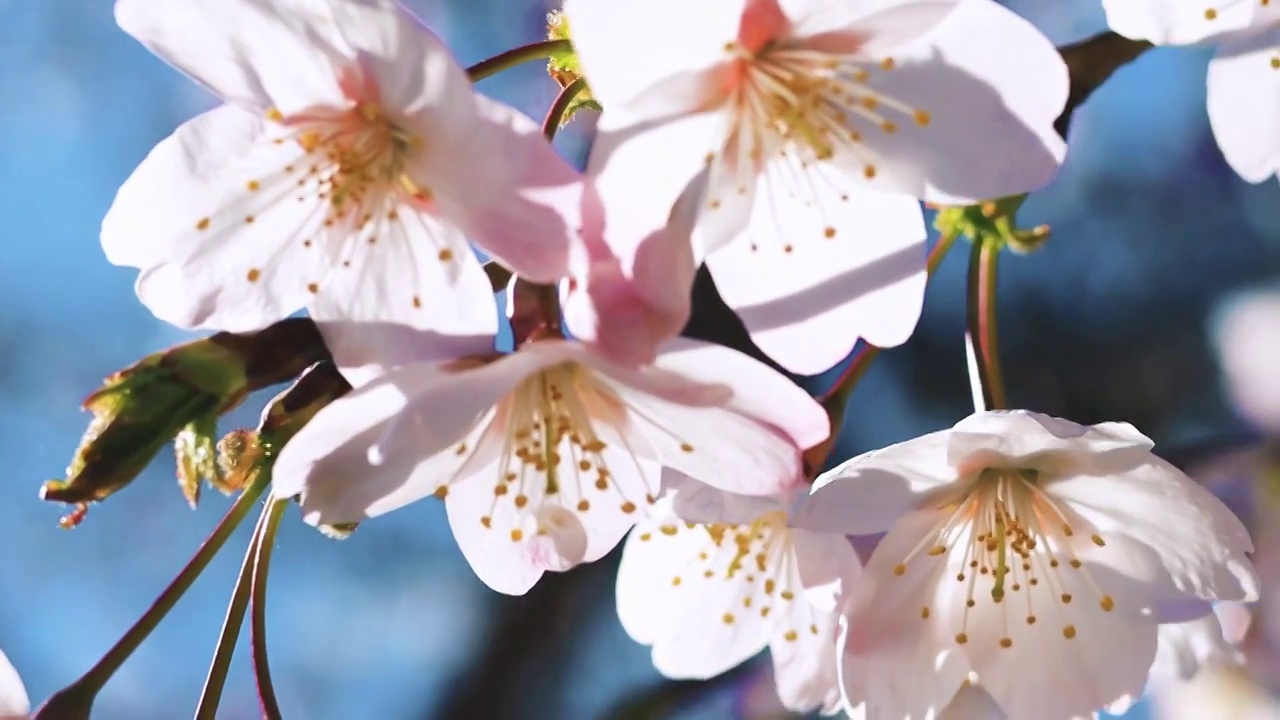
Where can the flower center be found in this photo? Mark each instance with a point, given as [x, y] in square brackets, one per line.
[1007, 537]
[811, 102]
[759, 559]
[553, 452]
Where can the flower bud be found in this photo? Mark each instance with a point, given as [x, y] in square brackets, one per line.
[177, 392]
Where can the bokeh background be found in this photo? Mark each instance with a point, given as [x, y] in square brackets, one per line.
[1114, 320]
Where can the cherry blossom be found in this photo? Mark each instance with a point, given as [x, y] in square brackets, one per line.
[14, 703]
[344, 174]
[545, 457]
[1248, 342]
[1244, 75]
[710, 594]
[791, 140]
[1035, 552]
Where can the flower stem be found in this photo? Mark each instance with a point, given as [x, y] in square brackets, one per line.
[207, 708]
[82, 692]
[981, 317]
[555, 115]
[258, 605]
[516, 56]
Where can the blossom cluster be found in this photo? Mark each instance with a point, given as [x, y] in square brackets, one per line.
[1015, 563]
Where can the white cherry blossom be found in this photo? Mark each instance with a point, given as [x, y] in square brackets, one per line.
[14, 703]
[1247, 336]
[1034, 552]
[792, 140]
[1244, 75]
[344, 174]
[709, 579]
[545, 457]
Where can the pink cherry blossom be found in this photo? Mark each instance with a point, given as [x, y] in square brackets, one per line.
[545, 457]
[789, 141]
[1036, 553]
[344, 174]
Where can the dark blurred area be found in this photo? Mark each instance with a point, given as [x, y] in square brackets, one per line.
[1112, 320]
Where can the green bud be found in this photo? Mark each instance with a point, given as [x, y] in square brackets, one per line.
[992, 221]
[178, 392]
[563, 66]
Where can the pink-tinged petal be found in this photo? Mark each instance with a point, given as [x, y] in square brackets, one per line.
[286, 54]
[1244, 103]
[868, 493]
[627, 305]
[1180, 22]
[14, 703]
[230, 248]
[640, 172]
[758, 391]
[823, 264]
[418, 281]
[872, 28]
[1016, 438]
[1184, 648]
[497, 178]
[972, 703]
[900, 665]
[614, 41]
[984, 89]
[1190, 536]
[416, 76]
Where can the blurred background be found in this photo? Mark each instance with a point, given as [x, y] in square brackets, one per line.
[1155, 241]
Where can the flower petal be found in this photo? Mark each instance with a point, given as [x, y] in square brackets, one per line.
[898, 664]
[1244, 103]
[14, 703]
[674, 593]
[990, 85]
[286, 54]
[1247, 342]
[1199, 544]
[1016, 438]
[887, 26]
[828, 567]
[759, 391]
[804, 659]
[614, 42]
[503, 185]
[1184, 648]
[868, 493]
[823, 264]
[229, 249]
[1179, 22]
[697, 502]
[419, 275]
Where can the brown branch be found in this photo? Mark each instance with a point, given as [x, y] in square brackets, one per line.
[1090, 62]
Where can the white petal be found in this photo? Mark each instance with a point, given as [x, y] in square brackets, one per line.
[992, 86]
[1248, 340]
[868, 493]
[879, 25]
[1184, 648]
[14, 703]
[804, 659]
[419, 275]
[497, 178]
[1197, 542]
[972, 703]
[1179, 22]
[256, 53]
[758, 391]
[822, 264]
[1056, 649]
[1244, 104]
[698, 624]
[613, 39]
[828, 567]
[1016, 438]
[230, 248]
[901, 665]
[697, 502]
